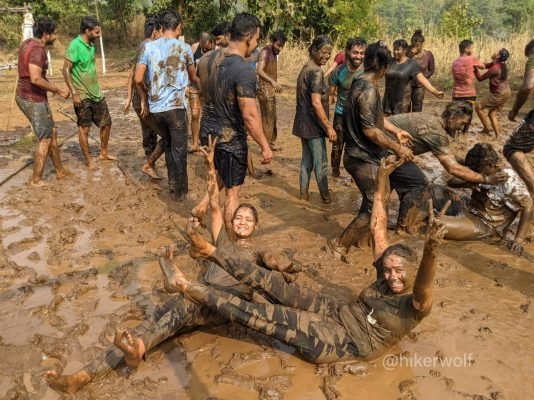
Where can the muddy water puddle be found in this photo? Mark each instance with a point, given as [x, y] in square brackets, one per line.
[116, 224]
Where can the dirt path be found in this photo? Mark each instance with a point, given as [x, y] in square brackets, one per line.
[114, 220]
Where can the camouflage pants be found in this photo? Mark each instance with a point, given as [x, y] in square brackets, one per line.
[304, 319]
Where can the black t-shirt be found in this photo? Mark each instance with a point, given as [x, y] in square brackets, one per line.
[310, 81]
[224, 78]
[398, 89]
[362, 110]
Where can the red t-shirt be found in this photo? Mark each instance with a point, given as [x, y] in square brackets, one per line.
[463, 72]
[31, 52]
[340, 58]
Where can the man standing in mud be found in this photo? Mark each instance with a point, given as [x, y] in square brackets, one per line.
[79, 71]
[32, 97]
[170, 67]
[522, 139]
[267, 70]
[153, 149]
[229, 110]
[341, 80]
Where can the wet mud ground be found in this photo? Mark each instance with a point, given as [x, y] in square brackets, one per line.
[79, 257]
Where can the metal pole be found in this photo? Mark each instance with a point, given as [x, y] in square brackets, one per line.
[101, 43]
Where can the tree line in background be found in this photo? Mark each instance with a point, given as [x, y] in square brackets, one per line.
[300, 19]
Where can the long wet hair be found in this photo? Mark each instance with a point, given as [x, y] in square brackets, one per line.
[249, 207]
[318, 43]
[481, 155]
[377, 57]
[504, 55]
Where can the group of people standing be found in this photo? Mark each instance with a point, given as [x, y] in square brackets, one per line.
[377, 137]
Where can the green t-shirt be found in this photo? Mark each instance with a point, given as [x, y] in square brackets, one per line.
[83, 71]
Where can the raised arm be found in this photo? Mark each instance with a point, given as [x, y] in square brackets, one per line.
[379, 213]
[422, 290]
[428, 86]
[217, 219]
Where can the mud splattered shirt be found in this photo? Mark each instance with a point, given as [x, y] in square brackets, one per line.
[398, 89]
[31, 52]
[310, 81]
[342, 78]
[426, 130]
[271, 66]
[83, 71]
[363, 110]
[224, 78]
[499, 205]
[426, 63]
[167, 60]
[378, 318]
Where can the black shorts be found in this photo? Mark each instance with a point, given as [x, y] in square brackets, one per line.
[522, 138]
[90, 111]
[231, 165]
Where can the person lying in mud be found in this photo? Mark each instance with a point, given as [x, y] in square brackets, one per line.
[492, 209]
[431, 134]
[321, 330]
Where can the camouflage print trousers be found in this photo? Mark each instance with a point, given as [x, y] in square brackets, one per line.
[303, 318]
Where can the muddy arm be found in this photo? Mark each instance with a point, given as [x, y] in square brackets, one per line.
[490, 73]
[452, 167]
[130, 87]
[67, 66]
[139, 79]
[379, 213]
[252, 120]
[422, 290]
[523, 94]
[427, 85]
[378, 137]
[320, 114]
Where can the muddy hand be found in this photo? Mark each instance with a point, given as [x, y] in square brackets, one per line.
[436, 230]
[497, 178]
[209, 151]
[388, 165]
[405, 138]
[266, 155]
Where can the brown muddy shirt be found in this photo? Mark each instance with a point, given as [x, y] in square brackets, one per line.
[31, 52]
[426, 63]
[310, 81]
[363, 110]
[270, 68]
[426, 130]
[378, 318]
[225, 77]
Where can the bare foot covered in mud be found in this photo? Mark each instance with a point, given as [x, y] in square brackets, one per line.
[64, 174]
[172, 276]
[91, 165]
[133, 349]
[67, 383]
[39, 183]
[194, 149]
[106, 157]
[174, 279]
[150, 171]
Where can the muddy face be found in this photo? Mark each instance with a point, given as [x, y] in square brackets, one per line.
[244, 223]
[398, 274]
[50, 38]
[277, 47]
[455, 124]
[417, 48]
[222, 40]
[399, 53]
[321, 56]
[356, 56]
